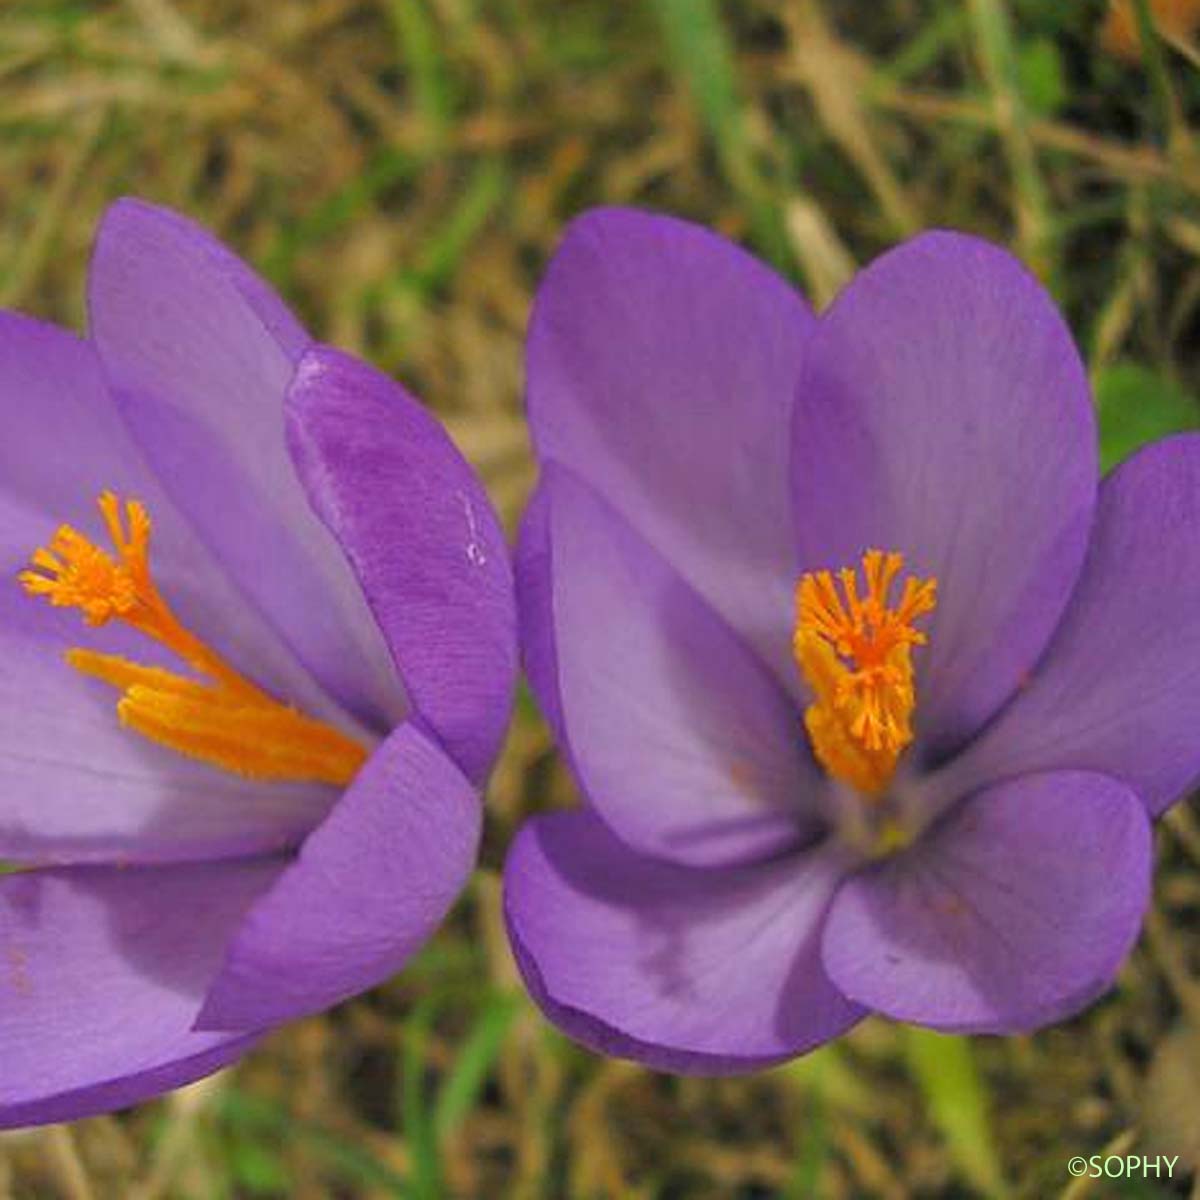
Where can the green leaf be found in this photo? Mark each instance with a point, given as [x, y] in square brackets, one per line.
[825, 1073]
[944, 1069]
[257, 1167]
[421, 50]
[1040, 72]
[417, 1123]
[703, 57]
[254, 1116]
[467, 1077]
[813, 1151]
[1137, 405]
[830, 1090]
[700, 48]
[446, 246]
[385, 170]
[526, 705]
[922, 49]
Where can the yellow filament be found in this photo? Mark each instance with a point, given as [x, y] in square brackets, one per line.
[221, 718]
[856, 654]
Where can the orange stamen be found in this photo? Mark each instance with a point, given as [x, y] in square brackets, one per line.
[856, 654]
[221, 718]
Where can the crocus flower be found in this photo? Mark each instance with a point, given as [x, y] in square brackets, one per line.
[871, 690]
[246, 708]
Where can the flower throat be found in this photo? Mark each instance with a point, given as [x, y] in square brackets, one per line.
[856, 655]
[222, 719]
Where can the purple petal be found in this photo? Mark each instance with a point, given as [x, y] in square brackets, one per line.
[423, 539]
[102, 974]
[1016, 912]
[682, 740]
[706, 971]
[200, 354]
[534, 569]
[74, 785]
[944, 413]
[64, 444]
[1119, 689]
[370, 886]
[662, 365]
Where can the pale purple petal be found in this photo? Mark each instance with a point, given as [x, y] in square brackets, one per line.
[944, 413]
[370, 886]
[662, 366]
[64, 444]
[200, 354]
[1014, 913]
[102, 972]
[1119, 688]
[74, 785]
[533, 565]
[705, 971]
[682, 740]
[423, 539]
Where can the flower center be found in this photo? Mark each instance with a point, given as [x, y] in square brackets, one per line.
[221, 718]
[856, 654]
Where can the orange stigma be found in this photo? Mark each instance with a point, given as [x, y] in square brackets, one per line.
[220, 718]
[856, 655]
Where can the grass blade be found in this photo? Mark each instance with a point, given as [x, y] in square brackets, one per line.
[419, 46]
[417, 1122]
[348, 1160]
[468, 1076]
[945, 1071]
[700, 50]
[1136, 405]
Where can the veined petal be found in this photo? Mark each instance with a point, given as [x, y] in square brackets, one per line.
[370, 885]
[1119, 688]
[662, 364]
[682, 740]
[943, 412]
[424, 542]
[698, 971]
[533, 566]
[199, 353]
[76, 786]
[102, 974]
[1016, 912]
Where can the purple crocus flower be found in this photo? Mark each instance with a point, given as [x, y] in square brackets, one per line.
[251, 790]
[871, 691]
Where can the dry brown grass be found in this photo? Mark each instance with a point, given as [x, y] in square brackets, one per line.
[402, 170]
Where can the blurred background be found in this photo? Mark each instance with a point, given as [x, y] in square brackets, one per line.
[401, 170]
